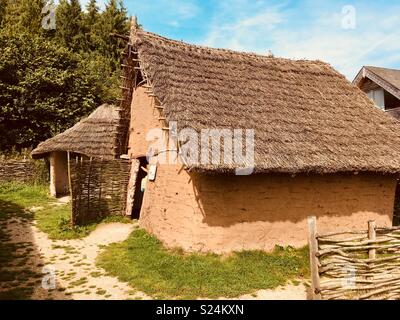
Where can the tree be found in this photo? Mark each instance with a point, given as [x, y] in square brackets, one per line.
[70, 25]
[2, 11]
[91, 25]
[43, 90]
[23, 16]
[49, 79]
[92, 13]
[114, 19]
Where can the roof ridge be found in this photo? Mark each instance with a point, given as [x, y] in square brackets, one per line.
[387, 79]
[227, 51]
[374, 67]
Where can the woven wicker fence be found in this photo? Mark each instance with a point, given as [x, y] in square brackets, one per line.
[355, 265]
[98, 189]
[23, 170]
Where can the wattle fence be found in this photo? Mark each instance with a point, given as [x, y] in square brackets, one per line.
[355, 265]
[98, 188]
[23, 170]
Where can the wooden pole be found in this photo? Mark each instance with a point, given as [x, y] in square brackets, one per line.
[372, 236]
[313, 245]
[130, 199]
[53, 164]
[134, 28]
[70, 187]
[89, 193]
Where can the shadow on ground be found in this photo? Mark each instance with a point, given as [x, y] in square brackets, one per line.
[21, 264]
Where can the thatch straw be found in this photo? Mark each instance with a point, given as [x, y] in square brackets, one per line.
[94, 136]
[307, 117]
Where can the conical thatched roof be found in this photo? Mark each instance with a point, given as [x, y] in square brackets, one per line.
[94, 136]
[307, 117]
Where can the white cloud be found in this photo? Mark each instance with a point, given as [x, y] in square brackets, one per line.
[244, 32]
[316, 33]
[185, 9]
[166, 13]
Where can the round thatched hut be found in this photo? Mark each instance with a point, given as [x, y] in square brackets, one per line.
[95, 136]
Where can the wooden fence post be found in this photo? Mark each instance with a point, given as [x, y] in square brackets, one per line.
[371, 236]
[70, 188]
[130, 199]
[313, 245]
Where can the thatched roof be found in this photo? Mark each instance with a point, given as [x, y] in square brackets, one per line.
[390, 75]
[94, 136]
[307, 117]
[388, 79]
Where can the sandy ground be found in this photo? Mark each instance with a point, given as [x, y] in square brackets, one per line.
[67, 268]
[288, 292]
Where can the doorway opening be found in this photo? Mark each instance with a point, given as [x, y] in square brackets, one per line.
[396, 210]
[140, 186]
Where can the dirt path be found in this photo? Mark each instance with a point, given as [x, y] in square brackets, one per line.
[288, 292]
[41, 268]
[74, 263]
[66, 268]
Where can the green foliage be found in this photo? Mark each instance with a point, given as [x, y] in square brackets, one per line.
[20, 15]
[43, 90]
[70, 25]
[51, 79]
[92, 15]
[92, 19]
[2, 11]
[113, 20]
[14, 154]
[143, 262]
[101, 74]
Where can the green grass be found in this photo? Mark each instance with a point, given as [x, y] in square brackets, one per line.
[55, 221]
[52, 219]
[143, 262]
[22, 196]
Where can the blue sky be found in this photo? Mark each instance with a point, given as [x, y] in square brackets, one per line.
[311, 29]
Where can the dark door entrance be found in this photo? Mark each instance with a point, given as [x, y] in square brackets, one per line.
[139, 188]
[396, 210]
